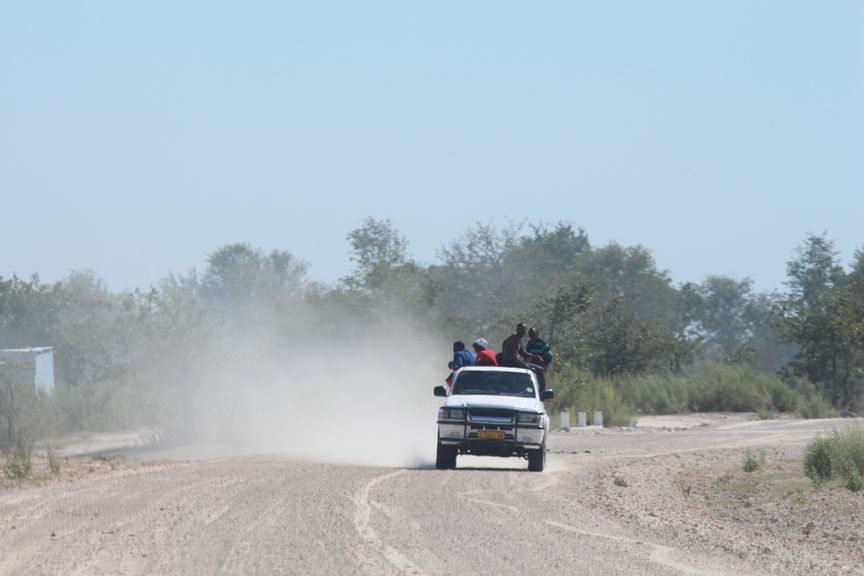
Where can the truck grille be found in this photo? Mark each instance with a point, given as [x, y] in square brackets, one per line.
[491, 415]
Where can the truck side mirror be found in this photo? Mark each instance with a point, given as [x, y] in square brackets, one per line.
[546, 394]
[440, 391]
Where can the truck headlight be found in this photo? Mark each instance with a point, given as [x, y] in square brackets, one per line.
[451, 413]
[528, 418]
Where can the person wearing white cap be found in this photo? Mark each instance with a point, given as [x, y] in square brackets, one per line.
[485, 356]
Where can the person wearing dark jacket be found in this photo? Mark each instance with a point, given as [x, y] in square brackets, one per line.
[538, 347]
[514, 356]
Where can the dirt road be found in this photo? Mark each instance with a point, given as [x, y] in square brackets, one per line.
[653, 500]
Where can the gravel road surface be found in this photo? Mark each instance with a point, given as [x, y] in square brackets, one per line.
[647, 500]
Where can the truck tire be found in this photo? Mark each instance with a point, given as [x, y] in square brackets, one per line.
[537, 458]
[445, 459]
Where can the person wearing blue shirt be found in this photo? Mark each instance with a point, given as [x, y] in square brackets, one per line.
[461, 356]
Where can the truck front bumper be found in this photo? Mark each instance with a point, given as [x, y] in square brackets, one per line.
[516, 439]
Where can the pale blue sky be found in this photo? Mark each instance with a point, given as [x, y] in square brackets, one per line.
[138, 137]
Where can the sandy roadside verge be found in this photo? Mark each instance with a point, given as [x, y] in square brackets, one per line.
[681, 479]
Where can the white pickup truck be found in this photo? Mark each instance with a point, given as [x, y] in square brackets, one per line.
[493, 411]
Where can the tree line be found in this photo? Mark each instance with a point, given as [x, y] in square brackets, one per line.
[607, 311]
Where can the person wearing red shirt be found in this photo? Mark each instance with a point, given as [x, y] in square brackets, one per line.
[485, 357]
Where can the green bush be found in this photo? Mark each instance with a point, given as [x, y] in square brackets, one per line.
[751, 462]
[840, 455]
[117, 405]
[25, 411]
[99, 407]
[816, 407]
[819, 460]
[851, 452]
[854, 482]
[581, 392]
[601, 394]
[655, 394]
[725, 388]
[709, 387]
[19, 464]
[53, 463]
[731, 396]
[783, 398]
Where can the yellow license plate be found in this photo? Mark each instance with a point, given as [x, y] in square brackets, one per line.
[490, 434]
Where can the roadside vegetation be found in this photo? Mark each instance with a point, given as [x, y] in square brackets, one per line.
[776, 492]
[839, 457]
[19, 463]
[626, 339]
[753, 462]
[26, 463]
[708, 387]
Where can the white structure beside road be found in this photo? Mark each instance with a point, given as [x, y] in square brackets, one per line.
[36, 364]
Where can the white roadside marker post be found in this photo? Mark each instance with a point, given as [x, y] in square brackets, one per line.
[565, 420]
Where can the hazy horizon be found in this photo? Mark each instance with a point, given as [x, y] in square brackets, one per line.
[116, 284]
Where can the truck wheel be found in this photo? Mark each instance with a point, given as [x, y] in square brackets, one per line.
[446, 457]
[537, 459]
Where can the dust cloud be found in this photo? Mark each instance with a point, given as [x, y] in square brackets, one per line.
[361, 399]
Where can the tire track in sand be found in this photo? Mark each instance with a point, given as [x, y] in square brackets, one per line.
[659, 554]
[362, 516]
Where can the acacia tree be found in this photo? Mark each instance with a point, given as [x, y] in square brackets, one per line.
[89, 349]
[238, 275]
[857, 271]
[543, 262]
[474, 282]
[770, 351]
[562, 315]
[384, 277]
[29, 311]
[555, 280]
[379, 252]
[476, 263]
[630, 274]
[814, 271]
[554, 252]
[719, 307]
[830, 338]
[824, 317]
[622, 344]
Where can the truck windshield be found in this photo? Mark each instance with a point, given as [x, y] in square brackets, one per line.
[494, 384]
